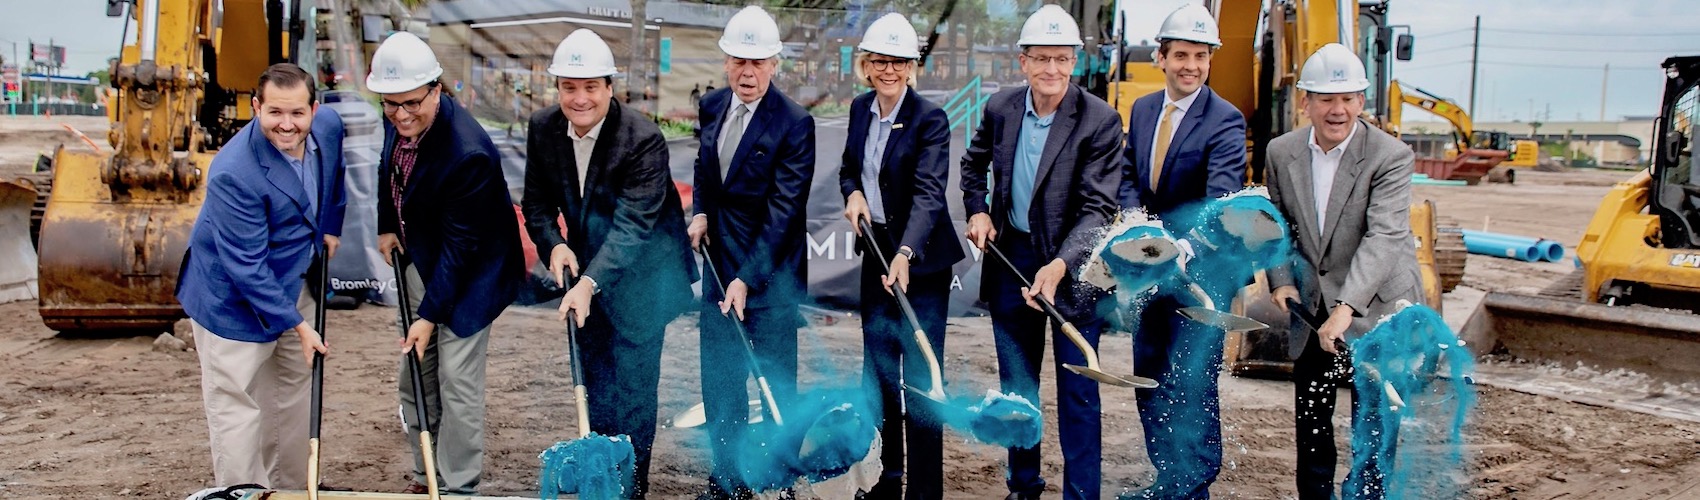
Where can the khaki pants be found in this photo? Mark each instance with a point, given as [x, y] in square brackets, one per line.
[256, 404]
[453, 371]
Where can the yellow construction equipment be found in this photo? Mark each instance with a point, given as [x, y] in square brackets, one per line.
[1634, 301]
[1474, 153]
[115, 225]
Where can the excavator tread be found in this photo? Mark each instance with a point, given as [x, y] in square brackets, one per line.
[1450, 256]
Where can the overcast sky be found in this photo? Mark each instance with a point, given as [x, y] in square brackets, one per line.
[1535, 53]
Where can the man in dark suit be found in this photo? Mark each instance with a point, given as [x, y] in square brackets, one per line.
[1049, 148]
[603, 168]
[1185, 145]
[273, 193]
[442, 201]
[1345, 186]
[753, 169]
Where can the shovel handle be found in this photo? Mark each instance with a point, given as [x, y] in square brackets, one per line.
[926, 346]
[1068, 328]
[416, 375]
[316, 396]
[749, 347]
[579, 398]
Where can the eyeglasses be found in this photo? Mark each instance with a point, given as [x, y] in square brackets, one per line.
[1043, 61]
[411, 106]
[886, 64]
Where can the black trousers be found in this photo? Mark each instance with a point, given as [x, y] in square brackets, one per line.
[622, 379]
[1315, 376]
[725, 371]
[892, 358]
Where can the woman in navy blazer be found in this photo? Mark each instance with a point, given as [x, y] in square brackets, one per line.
[896, 163]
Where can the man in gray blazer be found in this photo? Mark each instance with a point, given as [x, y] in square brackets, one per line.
[1345, 186]
[1049, 148]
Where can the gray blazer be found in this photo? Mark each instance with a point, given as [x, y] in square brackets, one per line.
[1366, 256]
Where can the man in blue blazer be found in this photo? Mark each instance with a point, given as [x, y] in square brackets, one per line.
[1049, 150]
[443, 202]
[1185, 145]
[753, 169]
[274, 192]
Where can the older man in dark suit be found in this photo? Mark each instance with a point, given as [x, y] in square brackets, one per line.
[1050, 150]
[753, 169]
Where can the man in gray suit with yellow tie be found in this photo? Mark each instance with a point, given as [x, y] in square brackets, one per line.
[1345, 186]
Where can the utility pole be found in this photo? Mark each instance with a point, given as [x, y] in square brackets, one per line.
[1604, 79]
[1475, 52]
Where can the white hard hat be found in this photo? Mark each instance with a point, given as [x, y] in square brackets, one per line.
[402, 63]
[751, 34]
[1192, 22]
[582, 54]
[1050, 25]
[1333, 69]
[892, 35]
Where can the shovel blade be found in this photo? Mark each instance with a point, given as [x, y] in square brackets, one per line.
[697, 415]
[1226, 321]
[936, 395]
[1133, 381]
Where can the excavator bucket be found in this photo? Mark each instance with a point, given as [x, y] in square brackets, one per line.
[115, 252]
[1659, 343]
[17, 254]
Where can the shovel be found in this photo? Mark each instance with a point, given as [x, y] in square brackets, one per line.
[1091, 370]
[744, 337]
[316, 396]
[593, 466]
[1314, 321]
[925, 346]
[1208, 314]
[416, 373]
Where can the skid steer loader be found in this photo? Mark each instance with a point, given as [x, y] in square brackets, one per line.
[1633, 304]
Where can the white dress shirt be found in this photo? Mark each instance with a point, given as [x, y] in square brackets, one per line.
[1181, 107]
[583, 147]
[1323, 166]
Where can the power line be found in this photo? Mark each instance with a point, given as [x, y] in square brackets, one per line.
[1526, 65]
[1568, 49]
[1574, 33]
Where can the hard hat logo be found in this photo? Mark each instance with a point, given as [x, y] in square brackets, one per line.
[1198, 26]
[389, 73]
[892, 39]
[576, 60]
[1339, 75]
[750, 38]
[1054, 29]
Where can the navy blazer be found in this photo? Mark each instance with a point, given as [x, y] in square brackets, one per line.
[1075, 196]
[461, 229]
[1206, 157]
[628, 229]
[756, 217]
[912, 178]
[253, 240]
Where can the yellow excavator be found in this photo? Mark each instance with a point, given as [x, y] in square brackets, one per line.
[1635, 302]
[114, 225]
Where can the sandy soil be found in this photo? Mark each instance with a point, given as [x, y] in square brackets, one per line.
[95, 418]
[22, 138]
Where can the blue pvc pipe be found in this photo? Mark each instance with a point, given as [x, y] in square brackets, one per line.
[1502, 248]
[1546, 250]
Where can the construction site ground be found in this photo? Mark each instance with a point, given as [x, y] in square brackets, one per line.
[99, 418]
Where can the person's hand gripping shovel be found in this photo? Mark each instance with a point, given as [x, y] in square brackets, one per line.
[594, 465]
[1092, 369]
[416, 374]
[1314, 322]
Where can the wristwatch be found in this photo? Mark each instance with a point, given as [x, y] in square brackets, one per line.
[906, 252]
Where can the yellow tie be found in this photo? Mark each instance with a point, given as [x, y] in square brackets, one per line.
[1165, 131]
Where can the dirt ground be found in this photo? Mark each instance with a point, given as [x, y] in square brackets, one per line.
[96, 418]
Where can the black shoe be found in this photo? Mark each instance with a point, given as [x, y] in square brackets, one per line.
[888, 488]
